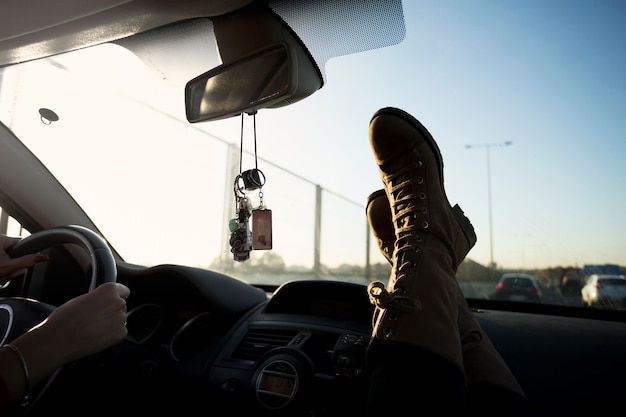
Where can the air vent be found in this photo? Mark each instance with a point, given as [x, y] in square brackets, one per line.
[259, 341]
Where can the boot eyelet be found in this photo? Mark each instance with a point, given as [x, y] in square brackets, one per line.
[424, 209]
[392, 316]
[422, 196]
[420, 180]
[387, 332]
[418, 238]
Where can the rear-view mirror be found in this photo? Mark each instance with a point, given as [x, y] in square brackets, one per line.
[264, 65]
[259, 80]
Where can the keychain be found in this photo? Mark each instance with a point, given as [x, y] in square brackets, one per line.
[244, 238]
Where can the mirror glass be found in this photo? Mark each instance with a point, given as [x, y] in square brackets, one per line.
[256, 81]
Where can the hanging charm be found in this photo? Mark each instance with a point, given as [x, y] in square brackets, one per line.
[240, 234]
[262, 229]
[244, 238]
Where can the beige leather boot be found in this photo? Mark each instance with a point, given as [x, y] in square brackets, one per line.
[419, 305]
[481, 361]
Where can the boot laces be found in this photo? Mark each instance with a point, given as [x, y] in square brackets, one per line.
[405, 195]
[383, 299]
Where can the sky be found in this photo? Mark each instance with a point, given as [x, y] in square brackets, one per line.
[547, 76]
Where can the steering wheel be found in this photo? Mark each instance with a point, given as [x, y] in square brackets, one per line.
[18, 315]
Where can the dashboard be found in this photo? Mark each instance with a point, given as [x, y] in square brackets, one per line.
[302, 350]
[299, 348]
[203, 340]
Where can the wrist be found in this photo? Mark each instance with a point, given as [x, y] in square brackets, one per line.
[22, 362]
[42, 351]
[14, 380]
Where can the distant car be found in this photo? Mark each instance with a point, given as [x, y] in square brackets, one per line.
[518, 287]
[605, 291]
[572, 281]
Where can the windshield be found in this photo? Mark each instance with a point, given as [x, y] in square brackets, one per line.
[527, 102]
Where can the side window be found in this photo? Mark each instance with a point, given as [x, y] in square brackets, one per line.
[9, 226]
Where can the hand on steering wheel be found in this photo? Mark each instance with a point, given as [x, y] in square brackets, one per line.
[10, 267]
[81, 326]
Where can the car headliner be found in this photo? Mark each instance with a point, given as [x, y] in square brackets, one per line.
[78, 24]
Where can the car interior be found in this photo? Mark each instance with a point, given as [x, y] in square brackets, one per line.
[172, 147]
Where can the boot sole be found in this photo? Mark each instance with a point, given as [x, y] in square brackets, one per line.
[466, 225]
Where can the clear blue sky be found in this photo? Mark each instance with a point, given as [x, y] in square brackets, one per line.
[546, 75]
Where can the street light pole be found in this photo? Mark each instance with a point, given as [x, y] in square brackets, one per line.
[487, 147]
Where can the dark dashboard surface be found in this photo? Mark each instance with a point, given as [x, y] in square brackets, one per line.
[312, 334]
[198, 337]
